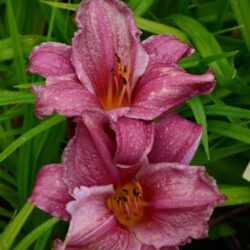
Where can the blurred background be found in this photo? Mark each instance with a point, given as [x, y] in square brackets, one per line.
[219, 30]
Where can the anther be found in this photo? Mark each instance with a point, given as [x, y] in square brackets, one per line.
[118, 59]
[124, 190]
[124, 80]
[135, 192]
[127, 203]
[121, 199]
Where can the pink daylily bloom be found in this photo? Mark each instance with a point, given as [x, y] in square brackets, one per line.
[107, 67]
[153, 204]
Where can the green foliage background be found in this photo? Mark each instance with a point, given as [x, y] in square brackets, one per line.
[220, 32]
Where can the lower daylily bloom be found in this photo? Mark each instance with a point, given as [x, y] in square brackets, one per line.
[107, 67]
[143, 206]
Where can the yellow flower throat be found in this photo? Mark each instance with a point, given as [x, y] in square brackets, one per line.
[127, 204]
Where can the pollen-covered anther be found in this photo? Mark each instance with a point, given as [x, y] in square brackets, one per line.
[122, 70]
[127, 204]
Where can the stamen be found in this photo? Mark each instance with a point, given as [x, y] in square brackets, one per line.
[124, 80]
[119, 90]
[127, 204]
[121, 96]
[115, 78]
[129, 92]
[118, 59]
[109, 96]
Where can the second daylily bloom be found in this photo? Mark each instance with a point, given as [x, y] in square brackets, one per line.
[144, 207]
[108, 68]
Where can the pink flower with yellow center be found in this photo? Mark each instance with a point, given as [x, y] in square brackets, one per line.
[152, 201]
[108, 67]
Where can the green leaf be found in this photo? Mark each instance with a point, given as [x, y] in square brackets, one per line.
[207, 45]
[216, 57]
[16, 44]
[220, 153]
[219, 103]
[236, 195]
[207, 11]
[140, 7]
[42, 241]
[24, 165]
[27, 42]
[28, 85]
[8, 194]
[51, 23]
[159, 28]
[65, 6]
[10, 114]
[35, 234]
[10, 233]
[4, 212]
[221, 230]
[10, 133]
[13, 97]
[227, 111]
[30, 134]
[241, 11]
[198, 110]
[4, 175]
[190, 62]
[64, 26]
[234, 131]
[219, 32]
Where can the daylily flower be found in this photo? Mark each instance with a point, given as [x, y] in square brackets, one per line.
[147, 206]
[107, 67]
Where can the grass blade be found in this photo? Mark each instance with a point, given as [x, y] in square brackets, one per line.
[207, 45]
[13, 97]
[140, 7]
[10, 233]
[35, 234]
[6, 213]
[220, 153]
[236, 195]
[241, 11]
[29, 135]
[65, 6]
[8, 194]
[18, 53]
[234, 131]
[159, 28]
[198, 110]
[229, 111]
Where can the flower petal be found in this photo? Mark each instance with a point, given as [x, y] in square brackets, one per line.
[88, 158]
[93, 226]
[99, 143]
[115, 114]
[145, 247]
[163, 87]
[134, 139]
[64, 95]
[50, 192]
[176, 140]
[106, 28]
[181, 200]
[51, 59]
[166, 48]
